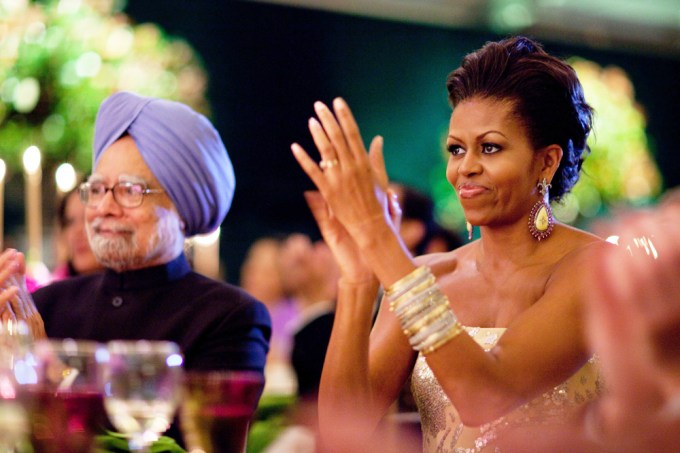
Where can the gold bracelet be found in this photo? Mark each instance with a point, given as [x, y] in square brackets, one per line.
[416, 304]
[423, 310]
[453, 332]
[411, 295]
[442, 323]
[405, 283]
[427, 319]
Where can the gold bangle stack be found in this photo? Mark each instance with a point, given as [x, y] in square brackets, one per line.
[400, 287]
[423, 311]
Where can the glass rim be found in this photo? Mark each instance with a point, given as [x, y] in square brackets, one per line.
[143, 346]
[69, 345]
[215, 375]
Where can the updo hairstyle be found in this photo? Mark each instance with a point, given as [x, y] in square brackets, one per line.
[547, 95]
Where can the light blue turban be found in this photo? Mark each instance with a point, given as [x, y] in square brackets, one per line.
[182, 149]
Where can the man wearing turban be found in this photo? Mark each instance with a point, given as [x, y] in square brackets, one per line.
[160, 174]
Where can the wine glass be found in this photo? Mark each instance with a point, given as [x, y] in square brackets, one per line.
[60, 385]
[15, 343]
[142, 390]
[217, 408]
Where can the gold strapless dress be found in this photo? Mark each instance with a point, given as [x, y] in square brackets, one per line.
[443, 431]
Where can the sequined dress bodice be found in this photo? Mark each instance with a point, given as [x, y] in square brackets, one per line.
[443, 431]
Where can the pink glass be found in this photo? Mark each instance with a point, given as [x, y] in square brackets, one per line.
[63, 397]
[217, 409]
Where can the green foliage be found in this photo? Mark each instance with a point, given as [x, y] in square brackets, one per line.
[270, 419]
[620, 168]
[60, 59]
[112, 442]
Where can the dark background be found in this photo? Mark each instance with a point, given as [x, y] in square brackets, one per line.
[267, 65]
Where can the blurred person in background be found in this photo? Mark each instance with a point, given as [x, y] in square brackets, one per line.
[442, 240]
[74, 254]
[310, 278]
[260, 274]
[419, 230]
[262, 277]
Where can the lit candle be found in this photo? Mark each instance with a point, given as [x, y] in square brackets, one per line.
[3, 170]
[207, 254]
[33, 175]
[65, 177]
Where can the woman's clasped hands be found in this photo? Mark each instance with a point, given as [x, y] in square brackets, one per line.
[353, 204]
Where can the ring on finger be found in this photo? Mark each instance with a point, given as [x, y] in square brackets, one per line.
[326, 164]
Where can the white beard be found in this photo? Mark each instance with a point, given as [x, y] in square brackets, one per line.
[125, 252]
[116, 253]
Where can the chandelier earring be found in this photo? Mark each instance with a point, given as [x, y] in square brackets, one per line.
[541, 218]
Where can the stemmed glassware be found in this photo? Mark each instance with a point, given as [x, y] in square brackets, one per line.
[142, 389]
[15, 343]
[60, 386]
[217, 408]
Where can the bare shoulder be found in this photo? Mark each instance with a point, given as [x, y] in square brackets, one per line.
[447, 262]
[578, 249]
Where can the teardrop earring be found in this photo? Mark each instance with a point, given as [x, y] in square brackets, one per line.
[468, 226]
[541, 219]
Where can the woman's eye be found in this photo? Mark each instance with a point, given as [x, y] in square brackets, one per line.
[455, 150]
[490, 148]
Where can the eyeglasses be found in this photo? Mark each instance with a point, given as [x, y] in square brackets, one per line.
[126, 194]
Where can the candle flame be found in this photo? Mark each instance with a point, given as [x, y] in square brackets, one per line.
[65, 177]
[32, 159]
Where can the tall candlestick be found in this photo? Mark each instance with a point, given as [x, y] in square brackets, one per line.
[3, 170]
[33, 175]
[207, 254]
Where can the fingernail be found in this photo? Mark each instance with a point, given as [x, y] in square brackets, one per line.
[313, 122]
[319, 105]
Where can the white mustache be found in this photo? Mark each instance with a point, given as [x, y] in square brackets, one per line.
[100, 224]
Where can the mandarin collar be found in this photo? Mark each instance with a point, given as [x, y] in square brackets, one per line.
[148, 277]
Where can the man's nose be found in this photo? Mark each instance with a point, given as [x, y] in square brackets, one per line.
[108, 204]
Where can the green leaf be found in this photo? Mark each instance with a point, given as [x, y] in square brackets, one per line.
[113, 442]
